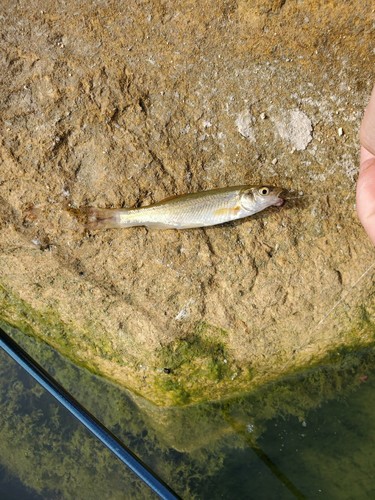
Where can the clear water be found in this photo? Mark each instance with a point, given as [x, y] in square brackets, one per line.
[309, 436]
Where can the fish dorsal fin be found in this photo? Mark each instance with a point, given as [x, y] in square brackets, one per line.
[170, 198]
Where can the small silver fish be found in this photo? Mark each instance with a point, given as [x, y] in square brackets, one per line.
[206, 208]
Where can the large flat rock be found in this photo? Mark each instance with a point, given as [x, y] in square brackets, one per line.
[115, 104]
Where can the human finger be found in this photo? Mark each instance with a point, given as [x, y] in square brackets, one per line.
[367, 130]
[366, 193]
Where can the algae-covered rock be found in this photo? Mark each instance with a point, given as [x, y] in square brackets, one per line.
[122, 104]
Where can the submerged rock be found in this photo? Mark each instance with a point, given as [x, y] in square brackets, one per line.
[107, 106]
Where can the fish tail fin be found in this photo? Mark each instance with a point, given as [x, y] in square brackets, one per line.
[98, 218]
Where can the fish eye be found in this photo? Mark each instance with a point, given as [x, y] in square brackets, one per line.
[264, 191]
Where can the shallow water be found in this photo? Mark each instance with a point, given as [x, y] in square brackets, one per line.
[307, 436]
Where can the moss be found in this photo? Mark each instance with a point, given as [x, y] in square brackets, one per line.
[178, 394]
[199, 360]
[16, 312]
[48, 326]
[200, 350]
[202, 369]
[193, 369]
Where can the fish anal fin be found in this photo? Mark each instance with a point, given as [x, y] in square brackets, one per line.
[158, 225]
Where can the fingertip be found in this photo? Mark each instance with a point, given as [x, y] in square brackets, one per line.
[367, 130]
[366, 196]
[365, 156]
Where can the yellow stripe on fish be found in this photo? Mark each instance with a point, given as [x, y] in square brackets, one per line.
[227, 211]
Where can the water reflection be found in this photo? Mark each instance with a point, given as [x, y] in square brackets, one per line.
[46, 453]
[289, 440]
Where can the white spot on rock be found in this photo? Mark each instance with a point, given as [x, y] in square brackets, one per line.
[185, 311]
[349, 165]
[296, 128]
[244, 124]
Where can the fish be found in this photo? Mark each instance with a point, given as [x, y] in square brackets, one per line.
[187, 211]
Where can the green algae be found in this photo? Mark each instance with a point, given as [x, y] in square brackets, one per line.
[193, 369]
[201, 356]
[49, 451]
[200, 367]
[203, 434]
[197, 363]
[204, 351]
[46, 325]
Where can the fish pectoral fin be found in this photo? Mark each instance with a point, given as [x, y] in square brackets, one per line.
[227, 211]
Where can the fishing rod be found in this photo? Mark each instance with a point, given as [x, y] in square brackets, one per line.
[40, 375]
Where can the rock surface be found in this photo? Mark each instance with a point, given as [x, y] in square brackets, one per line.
[119, 104]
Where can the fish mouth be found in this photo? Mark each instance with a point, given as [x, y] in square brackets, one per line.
[280, 201]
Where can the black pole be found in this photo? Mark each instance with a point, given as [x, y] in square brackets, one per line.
[104, 435]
